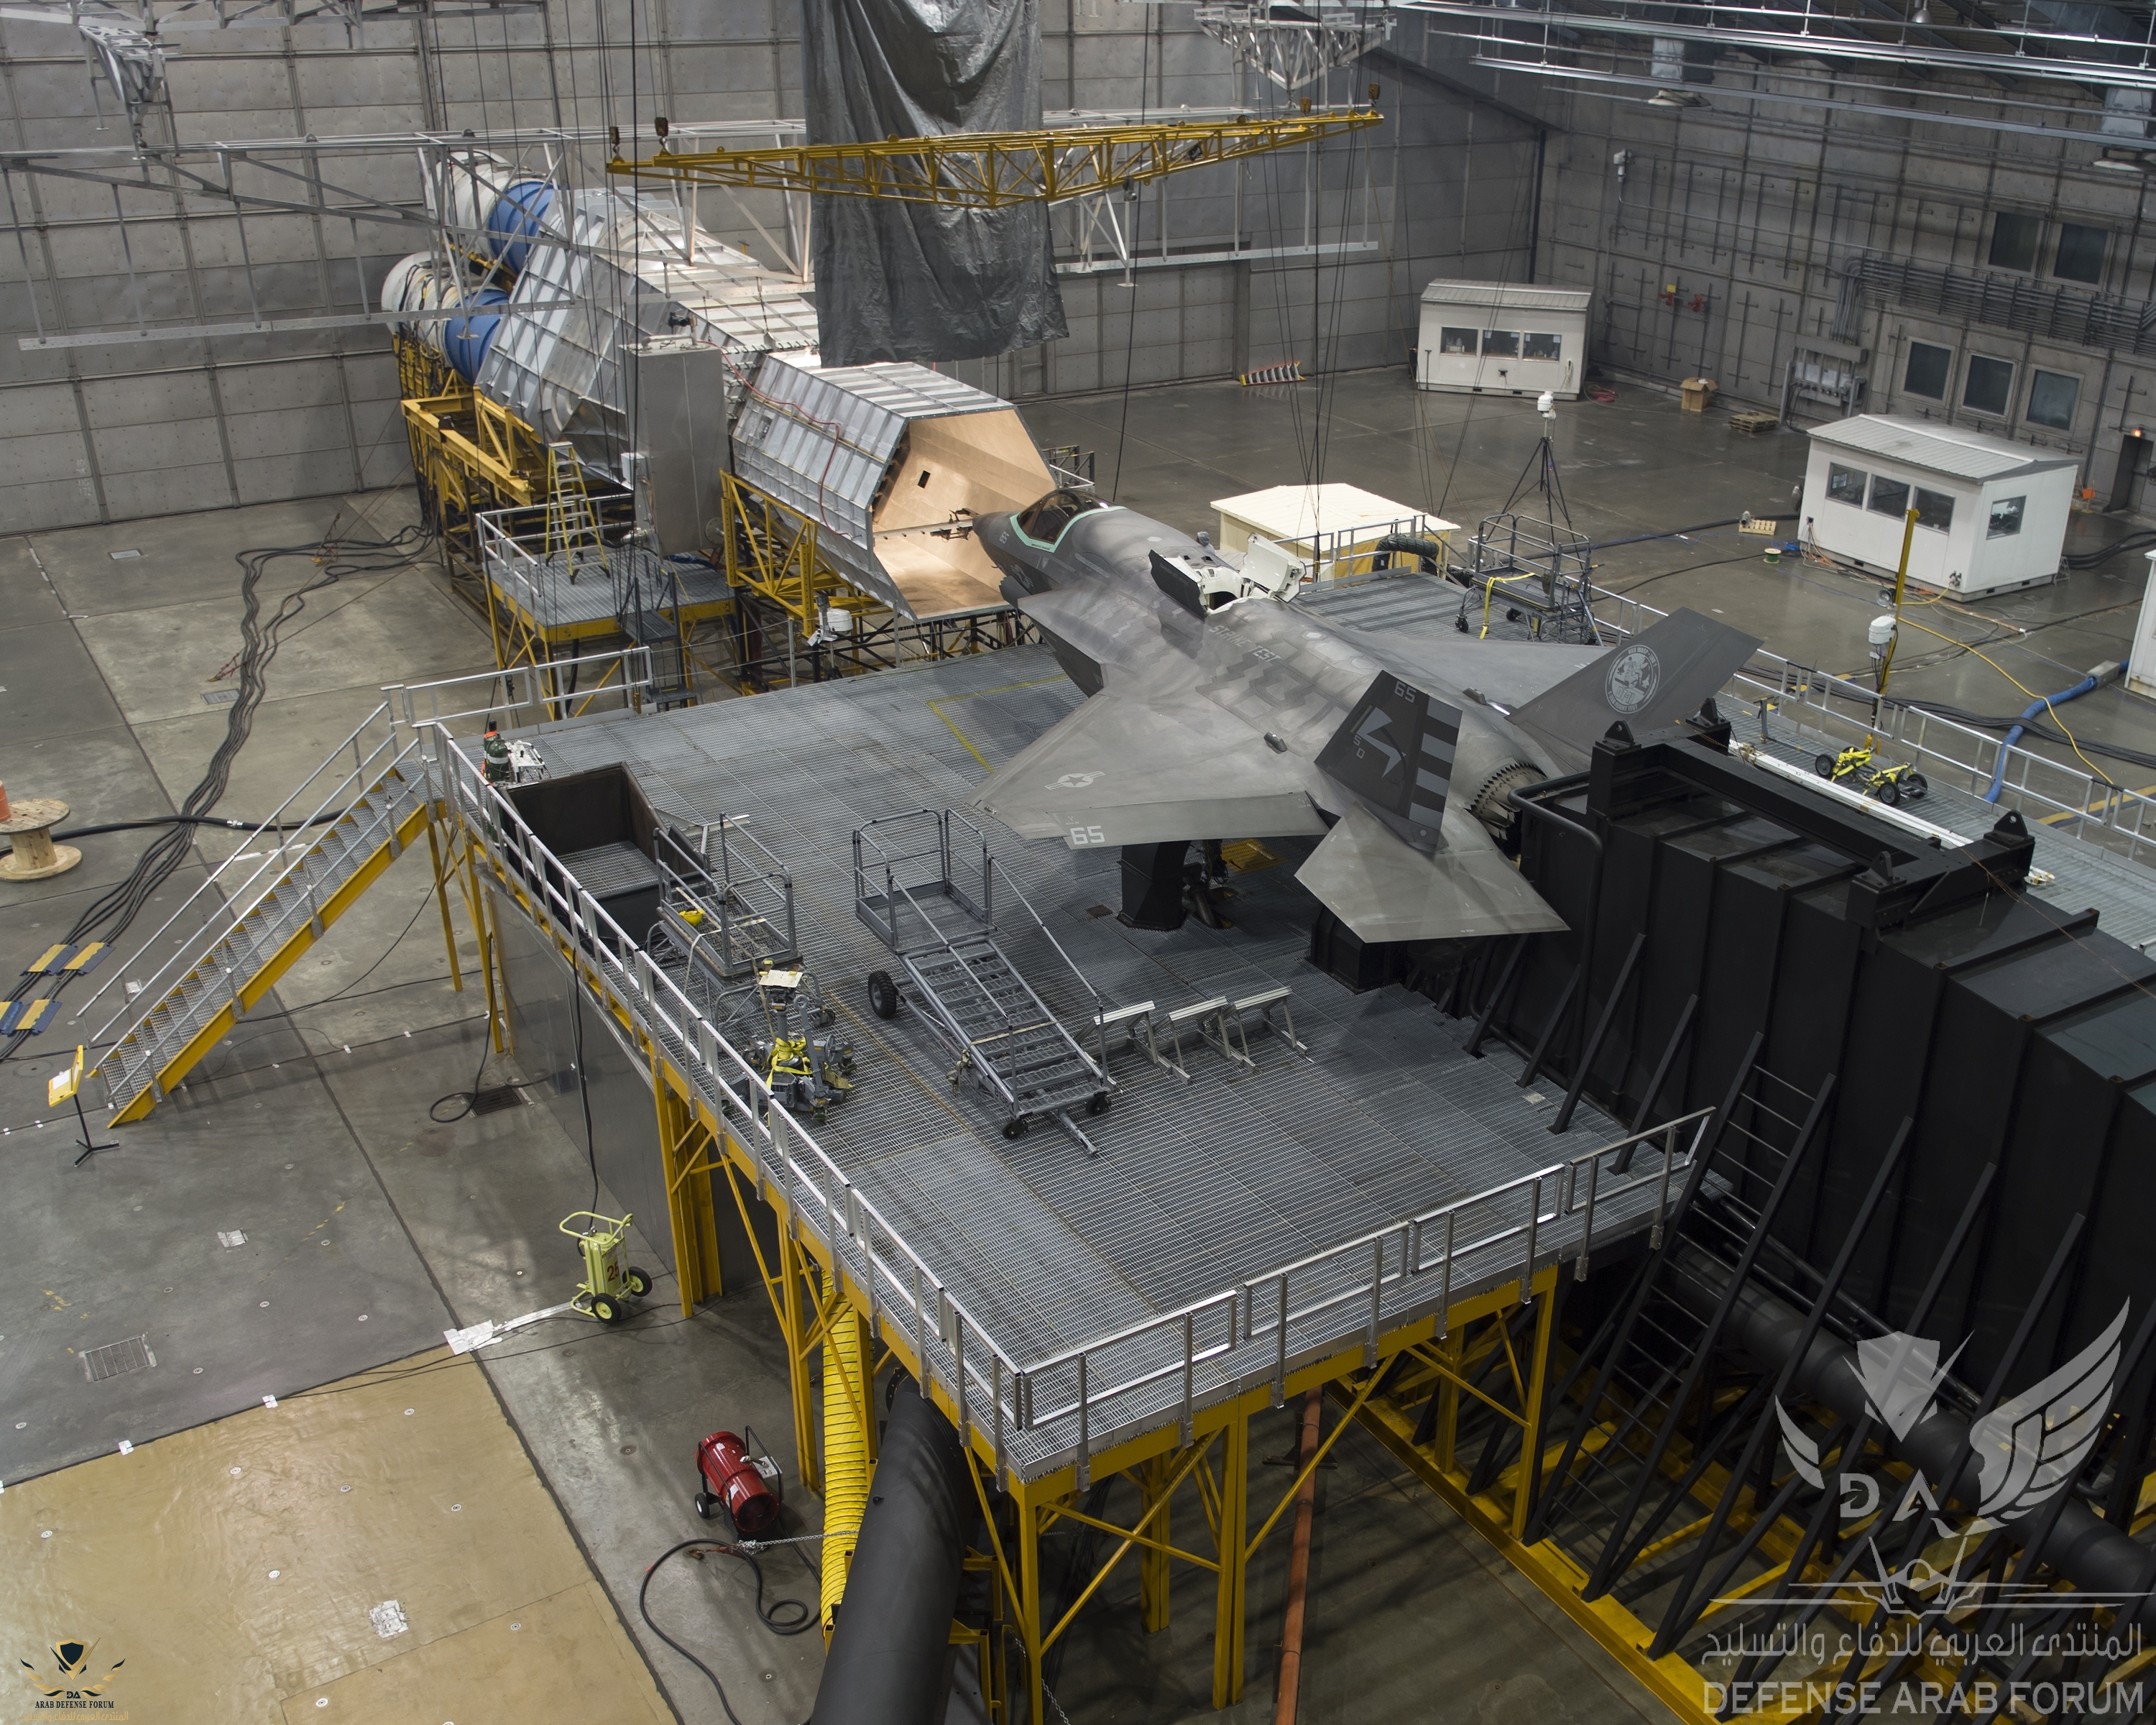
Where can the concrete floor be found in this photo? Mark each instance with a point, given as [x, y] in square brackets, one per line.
[371, 1229]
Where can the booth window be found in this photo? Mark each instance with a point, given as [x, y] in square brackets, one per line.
[1451, 340]
[2014, 241]
[2005, 517]
[1541, 347]
[1890, 496]
[1934, 508]
[1846, 485]
[1502, 344]
[2052, 396]
[2080, 255]
[1928, 370]
[1990, 385]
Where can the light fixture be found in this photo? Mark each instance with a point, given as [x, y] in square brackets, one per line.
[2125, 162]
[1672, 99]
[1921, 15]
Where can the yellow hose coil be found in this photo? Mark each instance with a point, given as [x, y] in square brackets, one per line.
[846, 1465]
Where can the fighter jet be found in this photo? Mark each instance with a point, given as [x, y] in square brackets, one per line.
[1220, 709]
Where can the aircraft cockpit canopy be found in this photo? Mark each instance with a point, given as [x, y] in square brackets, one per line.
[1043, 522]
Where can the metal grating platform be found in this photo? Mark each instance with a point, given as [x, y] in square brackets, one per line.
[1197, 1186]
[543, 590]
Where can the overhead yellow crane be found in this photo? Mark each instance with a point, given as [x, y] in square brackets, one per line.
[992, 170]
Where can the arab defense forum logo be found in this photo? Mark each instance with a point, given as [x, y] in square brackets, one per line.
[2027, 1450]
[72, 1678]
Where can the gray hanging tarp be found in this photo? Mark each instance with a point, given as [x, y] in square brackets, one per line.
[918, 281]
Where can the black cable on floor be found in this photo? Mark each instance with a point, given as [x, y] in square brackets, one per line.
[469, 1098]
[584, 1086]
[111, 914]
[786, 1617]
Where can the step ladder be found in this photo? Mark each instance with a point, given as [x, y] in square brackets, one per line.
[262, 908]
[648, 603]
[976, 1003]
[572, 525]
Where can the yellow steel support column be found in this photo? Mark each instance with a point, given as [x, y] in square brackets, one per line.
[1152, 1566]
[685, 1147]
[1531, 1438]
[489, 956]
[796, 1319]
[442, 899]
[1452, 1350]
[1029, 1601]
[849, 1432]
[1228, 1597]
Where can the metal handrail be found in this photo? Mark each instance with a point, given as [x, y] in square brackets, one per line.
[995, 1395]
[635, 664]
[2078, 798]
[1410, 1233]
[812, 1183]
[192, 950]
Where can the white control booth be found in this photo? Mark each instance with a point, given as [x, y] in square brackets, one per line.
[1502, 338]
[1991, 515]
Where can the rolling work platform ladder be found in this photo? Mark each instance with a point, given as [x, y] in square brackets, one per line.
[974, 1001]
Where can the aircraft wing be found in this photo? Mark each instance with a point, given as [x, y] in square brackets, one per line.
[1139, 765]
[1385, 889]
[1096, 621]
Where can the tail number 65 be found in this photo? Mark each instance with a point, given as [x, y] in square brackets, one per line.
[1086, 835]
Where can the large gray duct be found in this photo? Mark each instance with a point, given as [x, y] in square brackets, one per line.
[2097, 1556]
[890, 1645]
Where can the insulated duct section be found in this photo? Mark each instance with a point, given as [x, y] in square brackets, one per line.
[892, 1638]
[892, 462]
[638, 276]
[903, 281]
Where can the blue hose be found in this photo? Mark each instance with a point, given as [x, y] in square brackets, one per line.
[2013, 735]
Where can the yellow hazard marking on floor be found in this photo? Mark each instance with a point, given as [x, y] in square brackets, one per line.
[935, 707]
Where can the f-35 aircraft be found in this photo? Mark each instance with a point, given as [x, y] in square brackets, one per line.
[1220, 709]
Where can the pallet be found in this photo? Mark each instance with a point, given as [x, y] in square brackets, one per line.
[1752, 423]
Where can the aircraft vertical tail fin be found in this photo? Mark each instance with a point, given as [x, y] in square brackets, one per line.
[1394, 750]
[1660, 677]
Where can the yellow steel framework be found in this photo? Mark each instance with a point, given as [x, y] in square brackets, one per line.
[770, 548]
[990, 170]
[470, 454]
[814, 1299]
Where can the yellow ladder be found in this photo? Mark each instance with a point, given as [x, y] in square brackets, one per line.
[573, 525]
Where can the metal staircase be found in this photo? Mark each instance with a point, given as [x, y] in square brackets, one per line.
[254, 925]
[974, 999]
[245, 927]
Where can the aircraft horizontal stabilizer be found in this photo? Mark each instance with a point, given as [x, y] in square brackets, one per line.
[1135, 766]
[1385, 889]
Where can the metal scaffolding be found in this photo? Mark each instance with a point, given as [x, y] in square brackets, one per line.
[992, 170]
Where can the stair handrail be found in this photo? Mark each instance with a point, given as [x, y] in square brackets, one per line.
[223, 918]
[1100, 1004]
[815, 1188]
